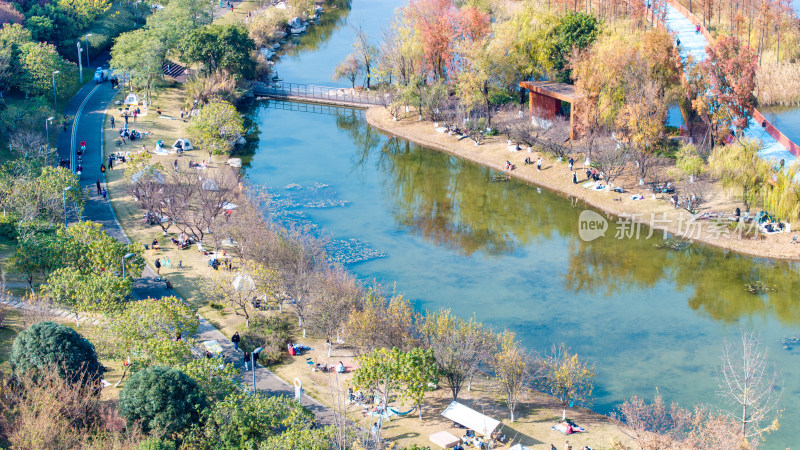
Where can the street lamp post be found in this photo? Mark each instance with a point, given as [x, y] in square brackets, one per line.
[55, 98]
[87, 48]
[253, 365]
[64, 193]
[80, 61]
[47, 130]
[123, 263]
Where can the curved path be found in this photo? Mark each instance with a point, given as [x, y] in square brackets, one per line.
[694, 44]
[89, 107]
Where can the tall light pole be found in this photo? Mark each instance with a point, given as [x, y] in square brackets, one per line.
[253, 365]
[64, 193]
[123, 263]
[55, 98]
[87, 48]
[80, 60]
[47, 129]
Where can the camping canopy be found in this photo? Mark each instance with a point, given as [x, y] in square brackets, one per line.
[468, 417]
[132, 99]
[150, 172]
[185, 144]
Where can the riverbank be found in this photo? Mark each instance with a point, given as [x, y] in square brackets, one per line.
[536, 413]
[655, 211]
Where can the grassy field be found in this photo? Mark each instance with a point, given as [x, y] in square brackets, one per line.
[188, 282]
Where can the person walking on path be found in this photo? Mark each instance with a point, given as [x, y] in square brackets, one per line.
[175, 165]
[246, 358]
[158, 266]
[126, 120]
[235, 339]
[110, 163]
[574, 177]
[571, 162]
[98, 186]
[135, 113]
[112, 121]
[539, 164]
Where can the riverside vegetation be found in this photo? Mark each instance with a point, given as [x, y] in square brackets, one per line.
[461, 80]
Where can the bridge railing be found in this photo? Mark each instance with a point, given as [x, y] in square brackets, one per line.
[345, 95]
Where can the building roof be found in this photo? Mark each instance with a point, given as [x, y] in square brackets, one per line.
[562, 91]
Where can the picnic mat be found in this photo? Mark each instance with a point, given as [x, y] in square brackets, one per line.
[563, 428]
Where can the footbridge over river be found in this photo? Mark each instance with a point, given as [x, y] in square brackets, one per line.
[337, 96]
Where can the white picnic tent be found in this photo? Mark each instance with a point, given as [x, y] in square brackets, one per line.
[468, 417]
[132, 99]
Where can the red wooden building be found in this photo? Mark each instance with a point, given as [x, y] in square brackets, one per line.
[545, 97]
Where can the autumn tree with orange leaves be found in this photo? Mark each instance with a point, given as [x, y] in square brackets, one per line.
[727, 76]
[440, 25]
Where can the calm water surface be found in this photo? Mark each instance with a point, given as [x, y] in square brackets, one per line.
[509, 253]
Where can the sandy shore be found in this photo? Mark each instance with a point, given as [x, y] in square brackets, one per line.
[653, 210]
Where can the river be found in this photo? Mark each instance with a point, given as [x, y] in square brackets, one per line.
[437, 229]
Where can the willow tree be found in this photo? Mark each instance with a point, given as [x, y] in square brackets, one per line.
[740, 170]
[783, 197]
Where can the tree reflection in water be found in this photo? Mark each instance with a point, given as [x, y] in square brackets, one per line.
[318, 34]
[453, 203]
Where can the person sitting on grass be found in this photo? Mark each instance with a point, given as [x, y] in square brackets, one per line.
[155, 245]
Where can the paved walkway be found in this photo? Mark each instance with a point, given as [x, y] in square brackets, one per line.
[93, 100]
[694, 44]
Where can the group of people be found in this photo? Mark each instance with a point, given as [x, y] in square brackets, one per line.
[296, 349]
[528, 160]
[593, 174]
[183, 242]
[200, 166]
[322, 367]
[129, 135]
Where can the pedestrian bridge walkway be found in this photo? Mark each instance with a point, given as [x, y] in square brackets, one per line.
[321, 94]
[694, 43]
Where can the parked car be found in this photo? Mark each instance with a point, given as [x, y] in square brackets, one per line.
[100, 75]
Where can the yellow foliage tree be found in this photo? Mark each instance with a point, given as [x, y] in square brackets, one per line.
[567, 378]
